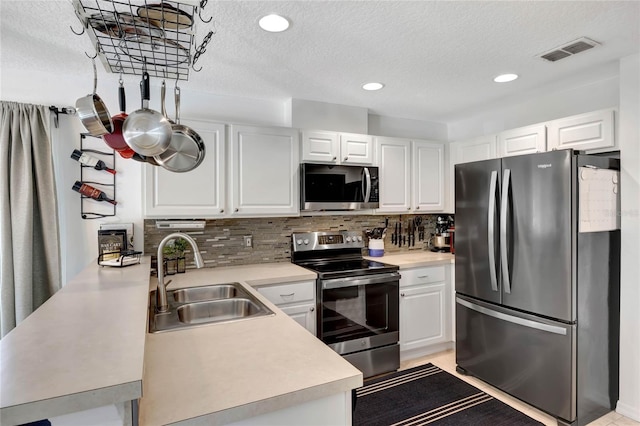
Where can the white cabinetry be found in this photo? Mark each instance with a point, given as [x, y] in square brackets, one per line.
[425, 311]
[588, 131]
[264, 171]
[200, 192]
[412, 175]
[298, 300]
[477, 149]
[337, 148]
[523, 140]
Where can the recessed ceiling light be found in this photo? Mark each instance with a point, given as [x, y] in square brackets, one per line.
[273, 23]
[505, 78]
[372, 86]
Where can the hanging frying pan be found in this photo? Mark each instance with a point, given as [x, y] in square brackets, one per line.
[166, 16]
[115, 140]
[146, 131]
[186, 150]
[93, 112]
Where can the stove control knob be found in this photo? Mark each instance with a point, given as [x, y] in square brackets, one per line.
[359, 238]
[306, 242]
[299, 242]
[348, 239]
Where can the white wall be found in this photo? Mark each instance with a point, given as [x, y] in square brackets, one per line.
[404, 128]
[629, 138]
[325, 116]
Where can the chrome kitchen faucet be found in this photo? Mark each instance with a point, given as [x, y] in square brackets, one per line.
[161, 293]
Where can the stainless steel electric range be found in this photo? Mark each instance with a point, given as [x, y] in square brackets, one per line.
[357, 299]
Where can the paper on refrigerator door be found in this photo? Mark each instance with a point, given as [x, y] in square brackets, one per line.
[598, 199]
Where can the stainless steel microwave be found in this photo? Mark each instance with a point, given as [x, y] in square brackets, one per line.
[326, 187]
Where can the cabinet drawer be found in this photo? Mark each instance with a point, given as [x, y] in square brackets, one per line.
[289, 293]
[429, 274]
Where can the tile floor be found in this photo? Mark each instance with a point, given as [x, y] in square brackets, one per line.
[447, 361]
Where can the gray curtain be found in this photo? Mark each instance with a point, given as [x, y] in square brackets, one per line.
[29, 238]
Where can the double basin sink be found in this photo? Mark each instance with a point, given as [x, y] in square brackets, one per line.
[196, 306]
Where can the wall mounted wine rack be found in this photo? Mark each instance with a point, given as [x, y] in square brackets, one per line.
[89, 208]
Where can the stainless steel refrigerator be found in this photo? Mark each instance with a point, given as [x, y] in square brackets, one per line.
[537, 279]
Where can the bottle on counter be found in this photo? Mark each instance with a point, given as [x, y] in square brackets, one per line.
[91, 161]
[91, 192]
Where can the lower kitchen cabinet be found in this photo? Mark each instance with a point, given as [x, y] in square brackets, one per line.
[425, 311]
[298, 300]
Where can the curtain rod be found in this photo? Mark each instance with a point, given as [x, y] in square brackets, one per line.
[57, 111]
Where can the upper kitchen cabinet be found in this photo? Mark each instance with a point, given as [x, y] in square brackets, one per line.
[197, 193]
[593, 130]
[412, 175]
[336, 148]
[264, 171]
[523, 140]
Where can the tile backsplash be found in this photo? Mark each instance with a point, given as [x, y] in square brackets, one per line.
[221, 243]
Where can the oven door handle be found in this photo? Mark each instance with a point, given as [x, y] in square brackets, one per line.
[356, 281]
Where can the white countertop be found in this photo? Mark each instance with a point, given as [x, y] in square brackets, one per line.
[226, 372]
[415, 259]
[81, 349]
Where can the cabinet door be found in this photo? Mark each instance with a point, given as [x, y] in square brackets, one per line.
[394, 162]
[305, 315]
[428, 176]
[524, 140]
[424, 316]
[585, 131]
[264, 171]
[319, 146]
[356, 149]
[197, 193]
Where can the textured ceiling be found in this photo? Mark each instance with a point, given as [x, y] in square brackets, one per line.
[436, 58]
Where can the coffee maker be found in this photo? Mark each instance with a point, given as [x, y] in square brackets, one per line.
[441, 240]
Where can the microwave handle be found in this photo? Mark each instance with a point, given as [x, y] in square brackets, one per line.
[366, 187]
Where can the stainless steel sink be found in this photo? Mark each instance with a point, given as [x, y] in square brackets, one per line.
[218, 310]
[209, 292]
[198, 306]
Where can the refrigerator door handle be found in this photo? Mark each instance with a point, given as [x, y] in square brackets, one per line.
[513, 319]
[504, 256]
[491, 235]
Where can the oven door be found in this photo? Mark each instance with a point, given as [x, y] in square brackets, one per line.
[359, 313]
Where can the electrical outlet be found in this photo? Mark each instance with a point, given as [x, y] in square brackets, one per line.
[248, 241]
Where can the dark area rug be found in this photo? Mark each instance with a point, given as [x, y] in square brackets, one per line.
[428, 395]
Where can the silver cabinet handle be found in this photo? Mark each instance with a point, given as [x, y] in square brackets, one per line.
[423, 276]
[491, 231]
[287, 295]
[312, 309]
[504, 255]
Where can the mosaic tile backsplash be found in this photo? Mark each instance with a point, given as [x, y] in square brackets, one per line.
[221, 243]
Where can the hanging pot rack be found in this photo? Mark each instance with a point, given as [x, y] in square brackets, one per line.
[153, 35]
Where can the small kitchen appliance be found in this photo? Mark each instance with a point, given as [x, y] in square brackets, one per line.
[330, 187]
[441, 241]
[357, 299]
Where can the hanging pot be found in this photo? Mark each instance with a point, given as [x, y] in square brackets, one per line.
[166, 16]
[93, 112]
[186, 150]
[146, 131]
[115, 140]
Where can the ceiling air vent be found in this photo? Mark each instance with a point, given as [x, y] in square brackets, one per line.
[571, 48]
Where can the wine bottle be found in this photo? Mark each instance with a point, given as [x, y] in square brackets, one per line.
[91, 161]
[91, 192]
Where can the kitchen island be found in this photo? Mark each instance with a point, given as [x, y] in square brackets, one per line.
[88, 347]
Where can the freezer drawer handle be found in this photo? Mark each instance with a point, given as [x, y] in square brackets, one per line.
[491, 235]
[504, 257]
[516, 320]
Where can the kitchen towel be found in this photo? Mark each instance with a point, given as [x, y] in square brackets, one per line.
[429, 395]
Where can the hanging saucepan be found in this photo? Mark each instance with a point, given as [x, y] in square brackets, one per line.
[146, 131]
[115, 140]
[166, 16]
[93, 112]
[186, 150]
